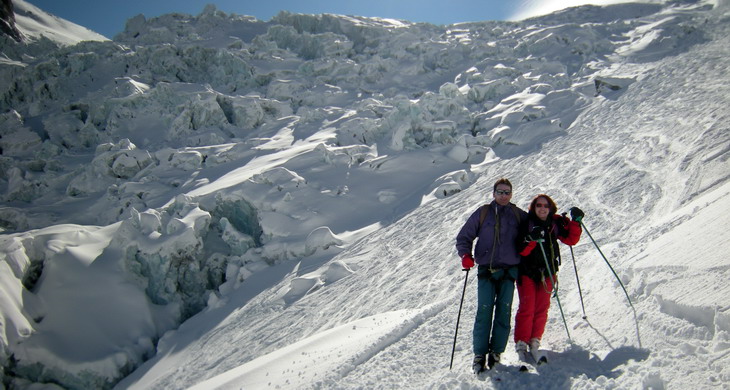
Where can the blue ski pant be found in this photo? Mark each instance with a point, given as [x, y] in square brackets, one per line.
[494, 310]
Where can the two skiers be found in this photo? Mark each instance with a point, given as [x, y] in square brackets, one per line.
[509, 244]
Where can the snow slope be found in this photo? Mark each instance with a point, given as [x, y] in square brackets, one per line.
[216, 202]
[35, 23]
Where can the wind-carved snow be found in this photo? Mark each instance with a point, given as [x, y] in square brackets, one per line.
[310, 360]
[703, 307]
[210, 194]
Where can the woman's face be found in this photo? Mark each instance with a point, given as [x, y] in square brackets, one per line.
[542, 208]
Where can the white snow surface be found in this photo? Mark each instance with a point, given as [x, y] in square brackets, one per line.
[214, 201]
[35, 23]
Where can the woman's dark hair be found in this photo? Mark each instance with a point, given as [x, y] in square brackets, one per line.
[551, 204]
[502, 181]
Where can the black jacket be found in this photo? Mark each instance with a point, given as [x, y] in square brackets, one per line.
[533, 263]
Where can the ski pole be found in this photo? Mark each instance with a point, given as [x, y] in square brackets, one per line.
[577, 279]
[458, 317]
[552, 280]
[617, 278]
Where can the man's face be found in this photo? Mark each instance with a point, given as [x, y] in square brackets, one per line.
[503, 194]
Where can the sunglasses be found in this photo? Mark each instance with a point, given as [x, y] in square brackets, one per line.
[542, 205]
[503, 192]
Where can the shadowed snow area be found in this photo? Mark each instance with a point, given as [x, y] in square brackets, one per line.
[215, 201]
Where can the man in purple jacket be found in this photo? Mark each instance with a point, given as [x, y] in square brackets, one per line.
[496, 226]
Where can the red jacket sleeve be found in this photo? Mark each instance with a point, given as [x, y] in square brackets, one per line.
[528, 248]
[574, 231]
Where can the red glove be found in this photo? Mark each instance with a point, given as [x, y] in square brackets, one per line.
[467, 261]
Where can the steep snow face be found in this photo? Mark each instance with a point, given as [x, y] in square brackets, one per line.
[34, 24]
[293, 188]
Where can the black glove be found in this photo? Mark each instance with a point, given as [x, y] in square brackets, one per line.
[537, 233]
[576, 214]
[562, 221]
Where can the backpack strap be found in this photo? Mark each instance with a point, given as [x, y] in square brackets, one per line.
[483, 211]
[517, 213]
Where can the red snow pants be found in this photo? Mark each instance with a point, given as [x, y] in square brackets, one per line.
[532, 312]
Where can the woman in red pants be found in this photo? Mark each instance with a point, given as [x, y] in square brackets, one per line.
[538, 246]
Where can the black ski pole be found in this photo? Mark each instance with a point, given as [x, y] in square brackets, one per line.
[577, 279]
[638, 336]
[458, 317]
[555, 287]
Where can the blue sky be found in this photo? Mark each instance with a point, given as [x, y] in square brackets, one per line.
[108, 17]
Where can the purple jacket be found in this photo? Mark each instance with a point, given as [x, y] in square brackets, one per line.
[496, 252]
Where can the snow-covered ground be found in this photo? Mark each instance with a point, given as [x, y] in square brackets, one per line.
[214, 201]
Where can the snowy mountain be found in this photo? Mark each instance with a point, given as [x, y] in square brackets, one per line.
[7, 21]
[215, 201]
[35, 24]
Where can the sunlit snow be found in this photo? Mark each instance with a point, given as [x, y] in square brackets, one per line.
[215, 201]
